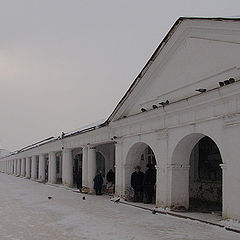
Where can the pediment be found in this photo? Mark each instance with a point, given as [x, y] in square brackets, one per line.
[197, 55]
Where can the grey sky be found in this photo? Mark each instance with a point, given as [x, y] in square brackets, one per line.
[67, 63]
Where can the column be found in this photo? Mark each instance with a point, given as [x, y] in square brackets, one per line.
[34, 168]
[15, 166]
[52, 168]
[28, 167]
[91, 166]
[224, 192]
[23, 167]
[18, 167]
[11, 167]
[67, 167]
[119, 186]
[179, 185]
[8, 166]
[42, 167]
[84, 166]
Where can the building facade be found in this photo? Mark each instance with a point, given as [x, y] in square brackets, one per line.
[182, 114]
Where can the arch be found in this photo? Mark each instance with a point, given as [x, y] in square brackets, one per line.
[141, 154]
[77, 169]
[180, 167]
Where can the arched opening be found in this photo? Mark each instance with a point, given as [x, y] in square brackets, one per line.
[77, 170]
[196, 175]
[205, 177]
[59, 167]
[141, 155]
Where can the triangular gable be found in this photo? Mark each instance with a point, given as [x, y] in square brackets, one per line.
[196, 53]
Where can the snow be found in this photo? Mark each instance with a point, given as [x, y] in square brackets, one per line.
[231, 223]
[86, 127]
[27, 214]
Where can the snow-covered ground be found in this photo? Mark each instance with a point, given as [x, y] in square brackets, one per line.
[26, 213]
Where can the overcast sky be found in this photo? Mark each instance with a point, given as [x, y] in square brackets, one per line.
[67, 63]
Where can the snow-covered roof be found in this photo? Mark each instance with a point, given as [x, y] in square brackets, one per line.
[85, 128]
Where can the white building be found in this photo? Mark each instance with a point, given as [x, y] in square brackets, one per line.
[192, 136]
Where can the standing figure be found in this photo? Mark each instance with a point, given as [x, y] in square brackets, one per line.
[98, 182]
[149, 183]
[110, 179]
[137, 184]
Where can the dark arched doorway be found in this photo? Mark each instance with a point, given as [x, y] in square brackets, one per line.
[77, 170]
[196, 175]
[205, 177]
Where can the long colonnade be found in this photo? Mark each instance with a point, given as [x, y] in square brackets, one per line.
[34, 167]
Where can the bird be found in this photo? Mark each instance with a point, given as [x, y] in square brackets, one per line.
[83, 198]
[201, 90]
[49, 197]
[154, 211]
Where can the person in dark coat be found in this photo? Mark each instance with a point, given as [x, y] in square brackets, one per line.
[98, 182]
[110, 176]
[137, 184]
[149, 183]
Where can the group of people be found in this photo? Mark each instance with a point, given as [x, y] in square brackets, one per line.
[143, 184]
[98, 181]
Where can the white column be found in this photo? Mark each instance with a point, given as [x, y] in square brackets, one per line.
[179, 185]
[8, 162]
[28, 169]
[34, 168]
[11, 167]
[15, 166]
[23, 167]
[224, 192]
[67, 167]
[42, 166]
[52, 169]
[91, 166]
[119, 186]
[18, 167]
[84, 166]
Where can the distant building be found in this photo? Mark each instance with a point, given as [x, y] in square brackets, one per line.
[181, 114]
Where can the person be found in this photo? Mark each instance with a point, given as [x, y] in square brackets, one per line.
[110, 178]
[149, 183]
[137, 184]
[98, 182]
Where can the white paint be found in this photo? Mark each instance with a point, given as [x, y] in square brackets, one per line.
[52, 177]
[23, 167]
[34, 167]
[42, 166]
[91, 166]
[67, 169]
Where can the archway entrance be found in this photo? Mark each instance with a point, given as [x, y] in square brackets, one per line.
[141, 155]
[77, 170]
[205, 177]
[196, 175]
